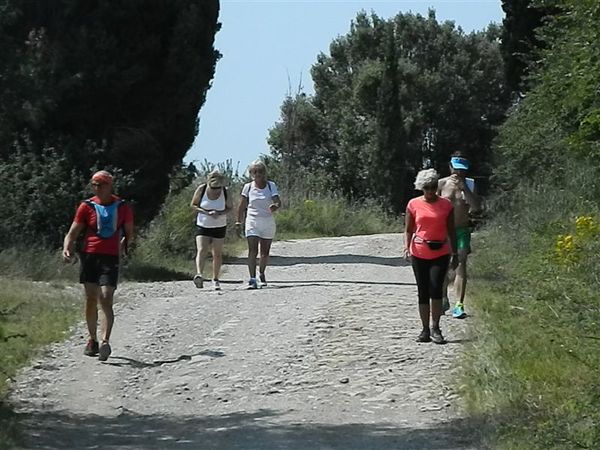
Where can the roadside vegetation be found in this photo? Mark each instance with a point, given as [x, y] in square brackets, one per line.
[534, 366]
[33, 314]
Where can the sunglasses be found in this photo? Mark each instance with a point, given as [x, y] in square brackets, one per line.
[430, 187]
[97, 184]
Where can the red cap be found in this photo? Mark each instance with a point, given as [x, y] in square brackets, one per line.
[102, 176]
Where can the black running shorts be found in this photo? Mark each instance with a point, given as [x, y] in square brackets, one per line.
[102, 270]
[216, 233]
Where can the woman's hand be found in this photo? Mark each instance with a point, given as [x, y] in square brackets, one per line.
[239, 229]
[406, 253]
[273, 207]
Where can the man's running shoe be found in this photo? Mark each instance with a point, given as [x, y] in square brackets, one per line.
[437, 337]
[104, 351]
[198, 281]
[91, 349]
[445, 305]
[263, 280]
[252, 284]
[216, 285]
[459, 311]
[424, 336]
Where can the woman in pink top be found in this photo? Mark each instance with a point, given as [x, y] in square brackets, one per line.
[429, 240]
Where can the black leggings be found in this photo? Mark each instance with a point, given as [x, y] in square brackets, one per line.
[430, 274]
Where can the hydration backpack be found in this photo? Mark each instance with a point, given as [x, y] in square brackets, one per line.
[106, 217]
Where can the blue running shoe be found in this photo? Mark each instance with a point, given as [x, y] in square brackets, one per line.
[459, 311]
[252, 284]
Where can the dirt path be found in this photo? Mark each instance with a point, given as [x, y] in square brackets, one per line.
[324, 358]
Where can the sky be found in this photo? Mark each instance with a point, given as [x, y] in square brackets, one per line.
[268, 48]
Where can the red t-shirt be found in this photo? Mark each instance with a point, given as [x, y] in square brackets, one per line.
[86, 214]
[430, 225]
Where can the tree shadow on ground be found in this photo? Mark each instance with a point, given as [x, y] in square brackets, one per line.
[150, 272]
[326, 259]
[236, 431]
[286, 284]
[281, 284]
[121, 361]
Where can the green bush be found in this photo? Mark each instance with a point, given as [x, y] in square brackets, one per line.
[331, 216]
[534, 365]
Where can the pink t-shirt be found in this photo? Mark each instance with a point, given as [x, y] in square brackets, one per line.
[430, 225]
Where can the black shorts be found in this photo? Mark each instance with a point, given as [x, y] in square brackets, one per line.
[102, 270]
[217, 233]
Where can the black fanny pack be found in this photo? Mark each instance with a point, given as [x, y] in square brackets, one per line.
[435, 245]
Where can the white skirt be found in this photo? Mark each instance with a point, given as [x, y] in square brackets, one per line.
[262, 227]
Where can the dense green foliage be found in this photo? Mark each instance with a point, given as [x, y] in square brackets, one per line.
[536, 365]
[520, 42]
[392, 97]
[86, 85]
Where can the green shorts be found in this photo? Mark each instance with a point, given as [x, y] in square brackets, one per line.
[463, 239]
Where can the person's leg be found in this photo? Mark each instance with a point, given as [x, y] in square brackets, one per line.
[252, 254]
[198, 247]
[437, 275]
[203, 249]
[217, 254]
[106, 303]
[265, 249]
[92, 294]
[420, 269]
[460, 281]
[109, 276]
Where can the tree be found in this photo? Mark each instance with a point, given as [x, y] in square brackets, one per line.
[394, 96]
[520, 41]
[113, 83]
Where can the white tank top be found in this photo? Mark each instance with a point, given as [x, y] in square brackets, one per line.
[206, 221]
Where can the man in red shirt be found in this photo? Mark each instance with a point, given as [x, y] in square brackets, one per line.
[108, 225]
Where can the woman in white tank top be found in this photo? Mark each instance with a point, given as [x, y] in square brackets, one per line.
[211, 202]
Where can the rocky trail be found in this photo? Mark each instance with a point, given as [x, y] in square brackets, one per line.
[323, 358]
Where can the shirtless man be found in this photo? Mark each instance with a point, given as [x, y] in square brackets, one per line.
[455, 189]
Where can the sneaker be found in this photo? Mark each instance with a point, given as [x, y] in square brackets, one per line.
[91, 349]
[437, 337]
[459, 311]
[252, 284]
[216, 285]
[263, 280]
[424, 336]
[104, 351]
[198, 281]
[445, 305]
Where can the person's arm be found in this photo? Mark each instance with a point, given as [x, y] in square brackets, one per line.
[452, 237]
[276, 203]
[441, 184]
[70, 238]
[195, 203]
[472, 199]
[127, 240]
[241, 213]
[409, 230]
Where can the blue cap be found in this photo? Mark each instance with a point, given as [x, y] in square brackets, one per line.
[459, 163]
